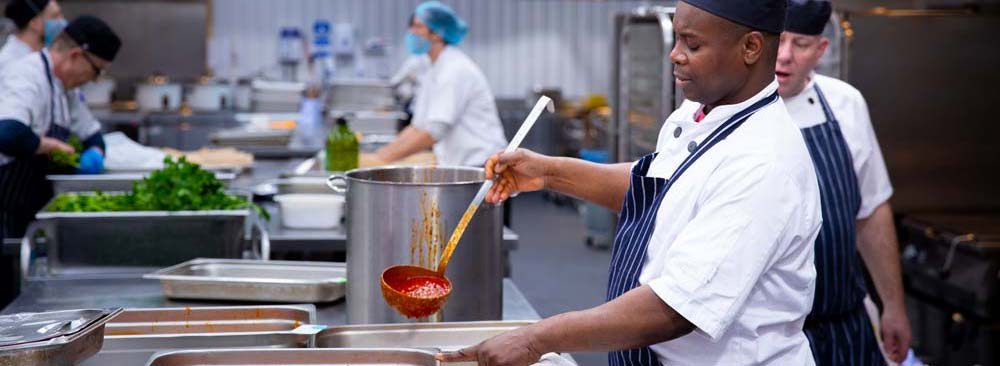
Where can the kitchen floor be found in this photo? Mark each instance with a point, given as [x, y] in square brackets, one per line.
[553, 267]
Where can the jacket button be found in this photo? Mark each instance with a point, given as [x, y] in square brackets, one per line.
[692, 146]
[677, 132]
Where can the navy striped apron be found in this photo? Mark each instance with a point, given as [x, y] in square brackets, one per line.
[638, 218]
[23, 187]
[838, 327]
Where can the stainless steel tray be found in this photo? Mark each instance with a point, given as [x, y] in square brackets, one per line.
[295, 357]
[136, 334]
[112, 182]
[66, 350]
[251, 280]
[35, 327]
[447, 336]
[118, 241]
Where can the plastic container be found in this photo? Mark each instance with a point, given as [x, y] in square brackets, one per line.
[310, 211]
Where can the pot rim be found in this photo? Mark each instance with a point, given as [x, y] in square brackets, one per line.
[347, 176]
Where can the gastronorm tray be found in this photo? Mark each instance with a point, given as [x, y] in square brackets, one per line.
[137, 334]
[253, 280]
[296, 357]
[448, 336]
[66, 349]
[109, 182]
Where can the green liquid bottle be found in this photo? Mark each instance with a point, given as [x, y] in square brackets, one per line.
[341, 148]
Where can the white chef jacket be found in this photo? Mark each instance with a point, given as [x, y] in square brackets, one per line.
[851, 111]
[732, 246]
[12, 50]
[455, 105]
[26, 96]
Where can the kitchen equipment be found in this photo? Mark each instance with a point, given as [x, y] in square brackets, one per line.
[111, 182]
[243, 95]
[98, 93]
[361, 95]
[251, 280]
[136, 334]
[417, 292]
[36, 327]
[310, 211]
[210, 96]
[78, 334]
[296, 357]
[371, 122]
[951, 267]
[450, 336]
[276, 96]
[251, 137]
[80, 243]
[158, 94]
[399, 215]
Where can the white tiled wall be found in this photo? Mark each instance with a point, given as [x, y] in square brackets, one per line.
[517, 43]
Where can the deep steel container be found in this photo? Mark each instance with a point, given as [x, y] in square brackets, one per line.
[404, 215]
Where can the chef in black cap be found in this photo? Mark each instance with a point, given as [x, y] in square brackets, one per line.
[40, 109]
[38, 23]
[713, 256]
[857, 218]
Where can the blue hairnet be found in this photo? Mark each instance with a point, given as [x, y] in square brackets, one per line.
[442, 21]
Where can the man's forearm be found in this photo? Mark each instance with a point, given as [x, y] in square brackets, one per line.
[636, 319]
[603, 184]
[410, 141]
[880, 251]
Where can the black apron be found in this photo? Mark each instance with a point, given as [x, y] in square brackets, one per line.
[638, 218]
[838, 327]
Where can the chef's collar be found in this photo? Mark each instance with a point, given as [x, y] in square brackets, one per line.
[721, 113]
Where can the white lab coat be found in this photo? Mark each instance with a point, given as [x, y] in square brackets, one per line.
[455, 105]
[27, 96]
[851, 111]
[732, 246]
[12, 50]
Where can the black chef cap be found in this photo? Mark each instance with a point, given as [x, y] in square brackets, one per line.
[762, 15]
[807, 16]
[95, 36]
[23, 11]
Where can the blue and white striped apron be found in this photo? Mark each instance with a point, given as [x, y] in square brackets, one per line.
[638, 218]
[838, 327]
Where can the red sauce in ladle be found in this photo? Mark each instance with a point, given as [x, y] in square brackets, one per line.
[424, 287]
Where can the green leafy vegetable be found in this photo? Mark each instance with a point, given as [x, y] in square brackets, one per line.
[64, 159]
[179, 186]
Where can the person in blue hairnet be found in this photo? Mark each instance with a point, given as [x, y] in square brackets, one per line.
[453, 111]
[38, 23]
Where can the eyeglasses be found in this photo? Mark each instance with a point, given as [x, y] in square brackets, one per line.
[97, 70]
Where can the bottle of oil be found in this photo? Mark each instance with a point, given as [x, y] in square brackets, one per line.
[341, 148]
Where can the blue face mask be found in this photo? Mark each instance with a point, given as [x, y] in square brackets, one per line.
[416, 44]
[52, 29]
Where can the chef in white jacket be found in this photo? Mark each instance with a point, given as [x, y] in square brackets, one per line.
[713, 254]
[855, 187]
[38, 23]
[454, 111]
[39, 112]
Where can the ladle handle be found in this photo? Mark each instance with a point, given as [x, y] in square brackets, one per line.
[529, 121]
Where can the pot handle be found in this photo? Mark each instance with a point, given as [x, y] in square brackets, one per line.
[340, 188]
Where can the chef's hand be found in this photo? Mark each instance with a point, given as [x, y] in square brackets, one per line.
[519, 171]
[47, 145]
[91, 162]
[895, 333]
[515, 348]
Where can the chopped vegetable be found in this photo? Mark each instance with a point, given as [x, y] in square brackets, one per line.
[179, 186]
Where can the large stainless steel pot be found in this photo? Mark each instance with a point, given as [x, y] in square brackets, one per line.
[404, 215]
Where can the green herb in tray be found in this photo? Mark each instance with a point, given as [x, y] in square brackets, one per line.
[179, 186]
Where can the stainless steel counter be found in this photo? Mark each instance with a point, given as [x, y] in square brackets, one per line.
[132, 292]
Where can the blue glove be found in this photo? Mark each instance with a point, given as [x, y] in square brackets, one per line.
[91, 162]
